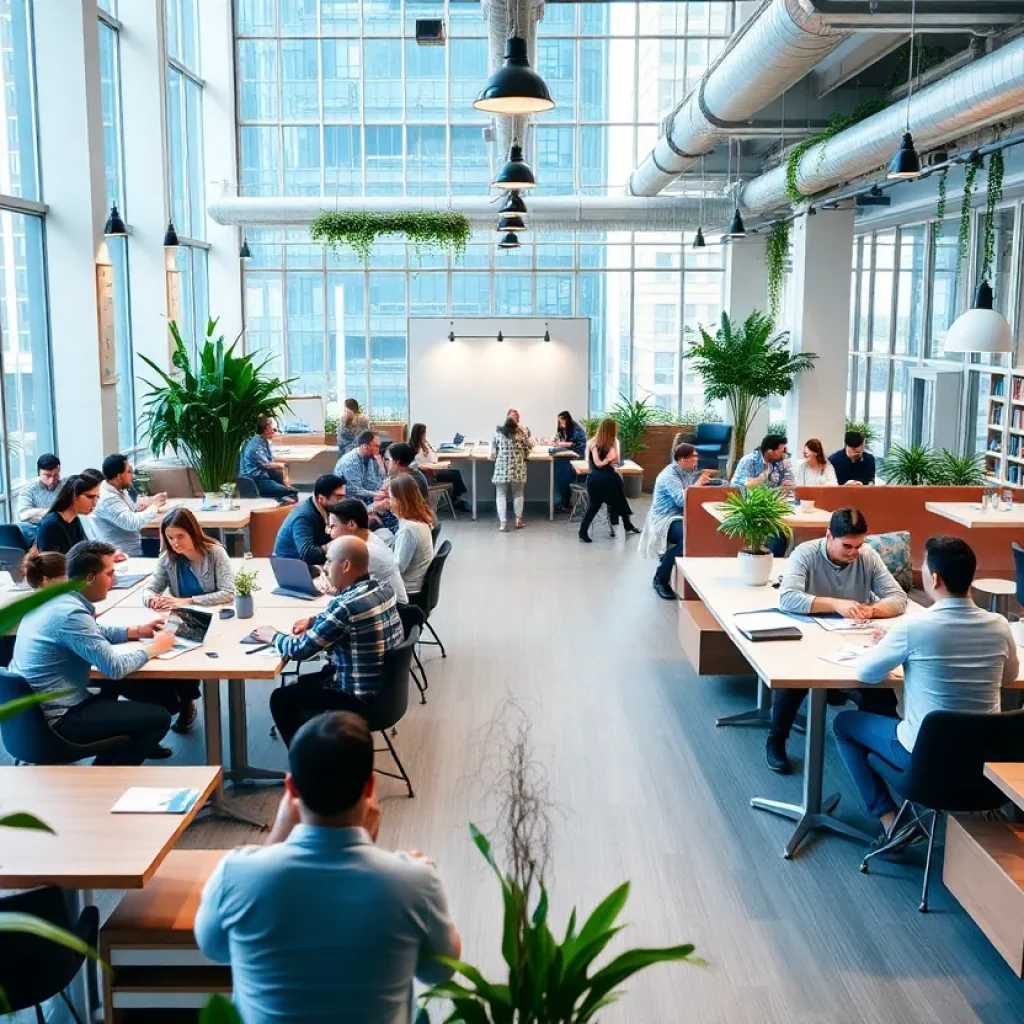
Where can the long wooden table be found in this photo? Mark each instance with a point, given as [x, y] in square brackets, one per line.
[233, 520]
[969, 514]
[1009, 777]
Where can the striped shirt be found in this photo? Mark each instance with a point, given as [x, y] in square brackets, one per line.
[356, 630]
[255, 456]
[753, 464]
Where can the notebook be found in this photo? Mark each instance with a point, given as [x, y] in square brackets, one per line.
[150, 800]
[766, 624]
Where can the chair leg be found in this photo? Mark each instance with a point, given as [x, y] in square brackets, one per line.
[894, 834]
[928, 863]
[422, 671]
[436, 640]
[40, 1018]
[451, 505]
[69, 1005]
[419, 686]
[399, 764]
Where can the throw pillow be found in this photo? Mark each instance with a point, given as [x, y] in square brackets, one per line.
[895, 551]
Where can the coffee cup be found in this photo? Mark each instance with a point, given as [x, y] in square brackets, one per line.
[806, 506]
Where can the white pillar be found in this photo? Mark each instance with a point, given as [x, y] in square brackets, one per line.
[217, 58]
[822, 247]
[746, 289]
[71, 158]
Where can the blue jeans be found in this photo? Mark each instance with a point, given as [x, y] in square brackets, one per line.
[564, 476]
[674, 550]
[859, 733]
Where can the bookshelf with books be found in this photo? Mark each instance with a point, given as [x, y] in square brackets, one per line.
[999, 445]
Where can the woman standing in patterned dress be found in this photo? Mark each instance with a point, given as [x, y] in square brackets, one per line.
[509, 449]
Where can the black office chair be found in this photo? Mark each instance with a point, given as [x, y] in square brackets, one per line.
[246, 487]
[413, 618]
[1018, 564]
[430, 594]
[392, 700]
[435, 532]
[946, 771]
[11, 560]
[29, 740]
[33, 969]
[12, 537]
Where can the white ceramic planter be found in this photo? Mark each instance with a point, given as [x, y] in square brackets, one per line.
[755, 570]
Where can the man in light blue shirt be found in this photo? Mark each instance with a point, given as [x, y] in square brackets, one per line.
[61, 641]
[118, 519]
[955, 657]
[366, 478]
[320, 925]
[34, 501]
[767, 466]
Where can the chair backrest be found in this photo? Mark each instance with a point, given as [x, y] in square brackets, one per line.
[246, 487]
[12, 537]
[412, 617]
[264, 524]
[392, 699]
[714, 433]
[1018, 564]
[27, 737]
[946, 769]
[11, 561]
[430, 592]
[435, 532]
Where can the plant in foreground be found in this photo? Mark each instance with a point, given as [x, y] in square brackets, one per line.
[756, 517]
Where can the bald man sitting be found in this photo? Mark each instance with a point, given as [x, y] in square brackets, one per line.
[356, 630]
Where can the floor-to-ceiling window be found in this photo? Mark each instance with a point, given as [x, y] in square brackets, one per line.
[26, 400]
[337, 99]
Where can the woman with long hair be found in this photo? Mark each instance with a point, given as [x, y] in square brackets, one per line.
[41, 568]
[569, 442]
[193, 567]
[814, 469]
[426, 457]
[414, 543]
[60, 529]
[510, 447]
[352, 423]
[604, 485]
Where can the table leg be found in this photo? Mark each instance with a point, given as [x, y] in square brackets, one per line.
[760, 715]
[238, 731]
[551, 489]
[473, 475]
[814, 812]
[246, 540]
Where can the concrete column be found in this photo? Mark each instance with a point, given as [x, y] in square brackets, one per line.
[821, 246]
[71, 156]
[746, 289]
[217, 58]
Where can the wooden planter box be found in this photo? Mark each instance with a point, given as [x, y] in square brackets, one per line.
[395, 429]
[658, 452]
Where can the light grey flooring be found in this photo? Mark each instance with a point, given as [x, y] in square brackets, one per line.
[648, 790]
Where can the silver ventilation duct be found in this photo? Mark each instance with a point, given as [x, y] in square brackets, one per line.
[556, 213]
[776, 48]
[981, 94]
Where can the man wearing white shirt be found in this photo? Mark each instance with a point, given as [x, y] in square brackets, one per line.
[349, 518]
[117, 518]
[955, 657]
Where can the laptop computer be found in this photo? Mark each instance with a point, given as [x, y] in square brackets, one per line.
[189, 627]
[293, 579]
[452, 446]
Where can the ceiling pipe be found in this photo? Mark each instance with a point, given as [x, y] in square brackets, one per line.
[977, 96]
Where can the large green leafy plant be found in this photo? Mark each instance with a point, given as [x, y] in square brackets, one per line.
[755, 518]
[633, 418]
[744, 365]
[424, 229]
[954, 470]
[914, 466]
[206, 413]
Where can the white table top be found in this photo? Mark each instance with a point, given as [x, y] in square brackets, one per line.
[969, 514]
[628, 467]
[817, 517]
[236, 519]
[301, 452]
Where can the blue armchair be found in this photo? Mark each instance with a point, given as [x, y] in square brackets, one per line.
[713, 440]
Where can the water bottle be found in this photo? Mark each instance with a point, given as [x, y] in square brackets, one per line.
[1008, 499]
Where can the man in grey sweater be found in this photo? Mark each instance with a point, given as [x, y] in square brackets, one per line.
[838, 575]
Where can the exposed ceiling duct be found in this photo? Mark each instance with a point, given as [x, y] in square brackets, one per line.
[983, 93]
[776, 48]
[557, 213]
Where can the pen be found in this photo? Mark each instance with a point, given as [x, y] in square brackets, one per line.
[256, 650]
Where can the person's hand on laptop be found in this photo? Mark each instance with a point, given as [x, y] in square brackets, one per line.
[149, 629]
[265, 634]
[161, 644]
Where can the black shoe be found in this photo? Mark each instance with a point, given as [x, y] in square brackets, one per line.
[611, 531]
[461, 506]
[775, 755]
[585, 539]
[630, 528]
[561, 508]
[900, 840]
[662, 589]
[159, 753]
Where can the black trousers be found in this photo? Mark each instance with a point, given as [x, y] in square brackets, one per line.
[99, 718]
[786, 704]
[273, 486]
[453, 477]
[168, 694]
[294, 705]
[672, 552]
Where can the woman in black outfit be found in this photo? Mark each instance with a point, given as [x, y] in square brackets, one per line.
[60, 529]
[604, 485]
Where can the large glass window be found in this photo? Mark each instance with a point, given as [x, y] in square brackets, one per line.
[192, 263]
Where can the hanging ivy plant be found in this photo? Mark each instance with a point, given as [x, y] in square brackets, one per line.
[423, 229]
[964, 235]
[776, 252]
[992, 200]
[940, 206]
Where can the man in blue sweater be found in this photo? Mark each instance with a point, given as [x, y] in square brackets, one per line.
[304, 533]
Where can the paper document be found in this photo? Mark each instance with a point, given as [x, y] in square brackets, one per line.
[757, 621]
[149, 800]
[838, 624]
[844, 656]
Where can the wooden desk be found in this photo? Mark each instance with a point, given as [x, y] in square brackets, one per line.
[628, 468]
[970, 515]
[301, 453]
[1009, 777]
[817, 518]
[92, 848]
[235, 520]
[540, 453]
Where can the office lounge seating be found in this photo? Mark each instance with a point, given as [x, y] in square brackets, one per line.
[29, 740]
[946, 772]
[12, 537]
[33, 969]
[712, 440]
[430, 594]
[392, 701]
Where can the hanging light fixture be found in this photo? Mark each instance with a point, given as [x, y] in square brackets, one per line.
[115, 225]
[509, 241]
[698, 241]
[513, 203]
[511, 222]
[906, 164]
[170, 236]
[736, 228]
[244, 253]
[514, 173]
[515, 88]
[981, 328]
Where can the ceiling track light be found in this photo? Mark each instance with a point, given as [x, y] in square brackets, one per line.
[501, 336]
[515, 88]
[170, 236]
[514, 174]
[906, 164]
[114, 228]
[244, 253]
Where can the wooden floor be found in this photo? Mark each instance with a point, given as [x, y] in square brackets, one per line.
[649, 790]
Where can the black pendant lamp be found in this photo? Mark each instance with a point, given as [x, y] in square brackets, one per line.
[514, 174]
[515, 88]
[511, 222]
[736, 228]
[509, 241]
[114, 226]
[243, 252]
[906, 164]
[170, 236]
[513, 203]
[698, 241]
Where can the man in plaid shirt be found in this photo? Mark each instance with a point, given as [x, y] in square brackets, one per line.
[356, 630]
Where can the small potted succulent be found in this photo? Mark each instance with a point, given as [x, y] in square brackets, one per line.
[755, 518]
[245, 584]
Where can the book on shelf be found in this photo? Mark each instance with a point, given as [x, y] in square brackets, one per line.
[1018, 388]
[998, 386]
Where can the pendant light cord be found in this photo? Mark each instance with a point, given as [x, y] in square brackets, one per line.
[910, 63]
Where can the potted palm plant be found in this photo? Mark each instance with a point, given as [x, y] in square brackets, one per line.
[913, 466]
[743, 365]
[205, 413]
[755, 518]
[633, 418]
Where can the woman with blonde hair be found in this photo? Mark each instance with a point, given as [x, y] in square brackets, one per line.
[604, 485]
[510, 447]
[414, 542]
[814, 469]
[352, 423]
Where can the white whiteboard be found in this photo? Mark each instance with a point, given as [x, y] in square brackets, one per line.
[467, 386]
[308, 409]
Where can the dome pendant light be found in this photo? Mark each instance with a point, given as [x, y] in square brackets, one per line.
[515, 88]
[981, 328]
[698, 242]
[244, 253]
[514, 174]
[509, 241]
[513, 204]
[170, 236]
[115, 225]
[906, 164]
[511, 222]
[736, 228]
